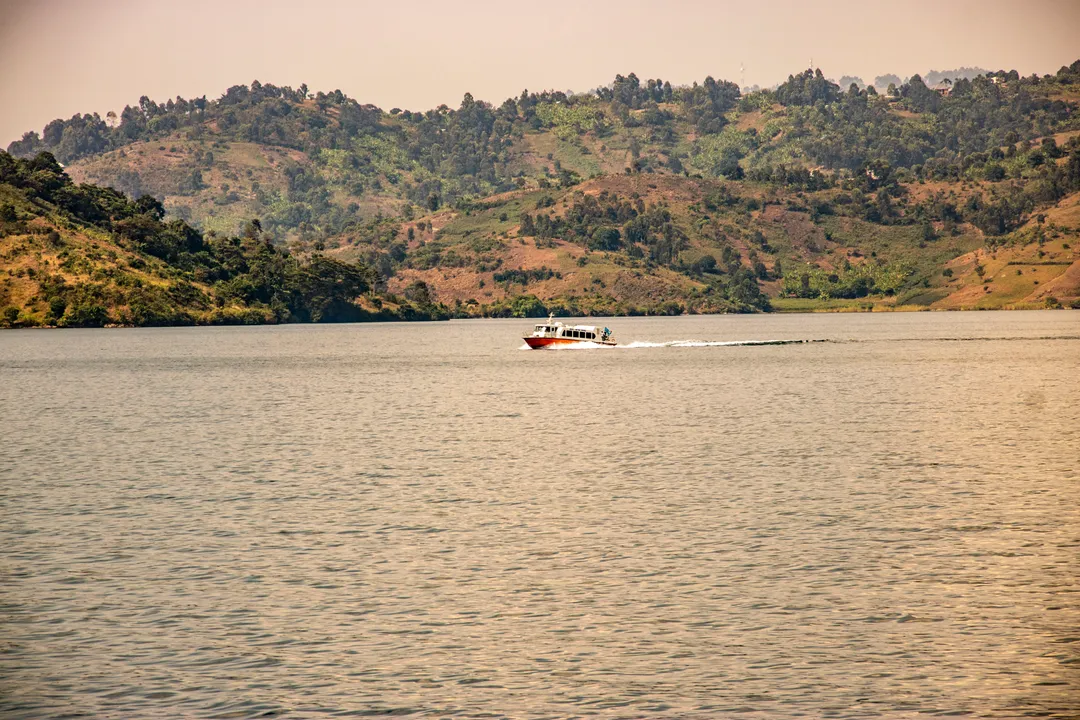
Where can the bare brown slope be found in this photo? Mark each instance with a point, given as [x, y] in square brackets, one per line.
[944, 271]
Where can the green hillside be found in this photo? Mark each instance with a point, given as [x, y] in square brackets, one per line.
[638, 197]
[84, 256]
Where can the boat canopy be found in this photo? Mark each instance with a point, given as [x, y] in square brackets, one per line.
[557, 331]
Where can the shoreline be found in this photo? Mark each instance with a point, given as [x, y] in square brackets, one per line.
[835, 310]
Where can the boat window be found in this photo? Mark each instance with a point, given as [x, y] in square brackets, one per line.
[590, 336]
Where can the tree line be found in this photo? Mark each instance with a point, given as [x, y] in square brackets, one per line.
[247, 272]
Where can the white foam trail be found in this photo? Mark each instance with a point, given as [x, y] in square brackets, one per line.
[709, 343]
[586, 345]
[642, 344]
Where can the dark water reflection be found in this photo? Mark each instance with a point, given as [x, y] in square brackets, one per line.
[423, 519]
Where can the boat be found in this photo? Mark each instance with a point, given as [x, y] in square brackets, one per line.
[555, 334]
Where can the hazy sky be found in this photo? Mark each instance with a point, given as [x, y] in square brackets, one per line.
[60, 57]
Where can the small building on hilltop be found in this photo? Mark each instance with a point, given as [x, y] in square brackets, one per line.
[943, 88]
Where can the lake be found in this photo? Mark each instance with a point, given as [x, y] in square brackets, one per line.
[424, 519]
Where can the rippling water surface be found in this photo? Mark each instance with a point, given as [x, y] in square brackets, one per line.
[423, 519]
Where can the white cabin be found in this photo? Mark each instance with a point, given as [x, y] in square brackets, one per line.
[555, 329]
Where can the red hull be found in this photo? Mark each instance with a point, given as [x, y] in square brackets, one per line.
[537, 343]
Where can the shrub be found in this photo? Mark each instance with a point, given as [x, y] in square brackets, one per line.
[706, 264]
[85, 315]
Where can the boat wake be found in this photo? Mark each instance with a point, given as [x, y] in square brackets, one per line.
[643, 344]
[711, 343]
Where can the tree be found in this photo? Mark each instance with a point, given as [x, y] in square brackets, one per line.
[27, 146]
[729, 167]
[85, 315]
[884, 81]
[149, 205]
[919, 97]
[705, 264]
[605, 238]
[527, 228]
[419, 293]
[528, 306]
[928, 232]
[1051, 149]
[326, 289]
[807, 88]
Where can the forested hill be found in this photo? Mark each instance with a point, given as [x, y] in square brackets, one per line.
[637, 197]
[313, 164]
[86, 256]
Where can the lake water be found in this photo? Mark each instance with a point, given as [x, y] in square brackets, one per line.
[424, 519]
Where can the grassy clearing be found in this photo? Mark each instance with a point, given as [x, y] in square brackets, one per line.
[573, 154]
[801, 305]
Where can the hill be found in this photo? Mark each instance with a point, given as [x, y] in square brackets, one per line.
[662, 244]
[84, 256]
[639, 197]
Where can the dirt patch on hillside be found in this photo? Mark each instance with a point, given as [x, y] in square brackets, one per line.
[652, 187]
[755, 120]
[1065, 214]
[1064, 287]
[796, 228]
[957, 193]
